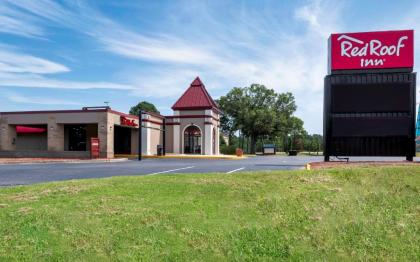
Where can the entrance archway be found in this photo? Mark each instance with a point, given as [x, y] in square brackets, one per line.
[192, 140]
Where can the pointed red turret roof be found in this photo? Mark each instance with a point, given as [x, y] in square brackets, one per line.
[195, 97]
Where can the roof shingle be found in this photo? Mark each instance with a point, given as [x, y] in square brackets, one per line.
[195, 97]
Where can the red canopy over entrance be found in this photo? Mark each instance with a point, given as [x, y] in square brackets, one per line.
[29, 130]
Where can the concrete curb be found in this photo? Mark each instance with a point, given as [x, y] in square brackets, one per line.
[186, 157]
[63, 161]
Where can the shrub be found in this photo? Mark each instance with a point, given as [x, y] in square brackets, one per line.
[228, 150]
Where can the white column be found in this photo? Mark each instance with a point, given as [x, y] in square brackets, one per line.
[217, 151]
[145, 136]
[177, 134]
[177, 138]
[208, 139]
[209, 112]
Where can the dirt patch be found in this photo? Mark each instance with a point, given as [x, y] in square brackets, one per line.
[316, 179]
[25, 210]
[60, 190]
[24, 197]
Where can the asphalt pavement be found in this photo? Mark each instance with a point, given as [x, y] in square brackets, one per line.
[23, 174]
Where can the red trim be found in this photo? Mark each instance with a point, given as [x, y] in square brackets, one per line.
[216, 110]
[197, 108]
[192, 116]
[208, 123]
[151, 121]
[69, 112]
[53, 111]
[121, 114]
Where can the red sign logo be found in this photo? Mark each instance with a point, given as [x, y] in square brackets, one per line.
[127, 122]
[387, 49]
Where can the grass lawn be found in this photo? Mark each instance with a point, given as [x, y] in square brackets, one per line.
[349, 214]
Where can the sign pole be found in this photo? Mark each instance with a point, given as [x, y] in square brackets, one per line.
[164, 136]
[140, 135]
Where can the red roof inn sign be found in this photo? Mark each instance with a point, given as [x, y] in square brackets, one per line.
[371, 50]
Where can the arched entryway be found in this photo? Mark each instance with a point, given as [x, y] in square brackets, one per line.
[192, 140]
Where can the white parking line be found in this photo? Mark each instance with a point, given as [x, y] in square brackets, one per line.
[235, 170]
[168, 171]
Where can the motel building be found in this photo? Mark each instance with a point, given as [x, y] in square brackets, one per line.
[192, 129]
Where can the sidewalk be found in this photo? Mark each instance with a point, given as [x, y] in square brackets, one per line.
[4, 161]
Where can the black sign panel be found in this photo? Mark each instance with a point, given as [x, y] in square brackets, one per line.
[369, 115]
[370, 98]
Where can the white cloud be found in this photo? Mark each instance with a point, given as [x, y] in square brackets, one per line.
[18, 98]
[252, 48]
[285, 61]
[39, 81]
[13, 62]
[15, 22]
[22, 70]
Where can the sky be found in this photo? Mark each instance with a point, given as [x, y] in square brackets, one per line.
[70, 54]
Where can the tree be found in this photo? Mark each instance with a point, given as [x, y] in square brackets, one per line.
[145, 106]
[294, 129]
[313, 143]
[257, 112]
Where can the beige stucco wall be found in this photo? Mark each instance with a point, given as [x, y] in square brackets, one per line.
[191, 112]
[55, 135]
[105, 122]
[7, 135]
[155, 139]
[134, 141]
[153, 132]
[185, 122]
[59, 118]
[115, 119]
[206, 130]
[169, 139]
[55, 122]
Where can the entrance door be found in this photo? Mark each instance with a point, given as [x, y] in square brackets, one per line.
[192, 140]
[122, 140]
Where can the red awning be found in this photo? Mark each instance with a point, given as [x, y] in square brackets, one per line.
[29, 130]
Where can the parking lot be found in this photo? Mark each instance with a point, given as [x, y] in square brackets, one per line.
[22, 174]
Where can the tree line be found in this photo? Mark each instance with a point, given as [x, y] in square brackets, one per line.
[256, 115]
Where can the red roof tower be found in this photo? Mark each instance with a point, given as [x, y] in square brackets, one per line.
[195, 97]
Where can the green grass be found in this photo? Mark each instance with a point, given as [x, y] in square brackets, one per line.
[350, 214]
